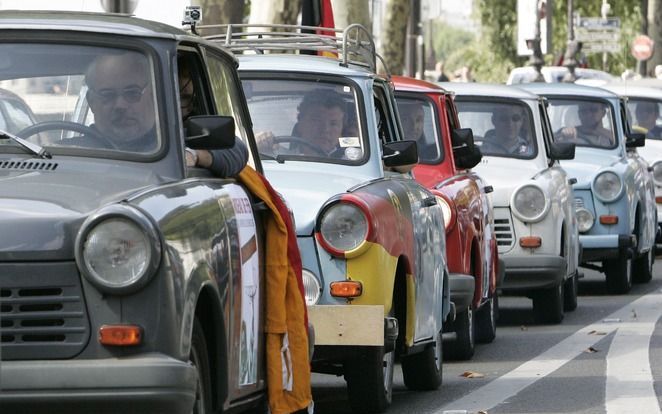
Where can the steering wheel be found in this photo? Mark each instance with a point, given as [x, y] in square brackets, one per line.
[281, 139]
[65, 126]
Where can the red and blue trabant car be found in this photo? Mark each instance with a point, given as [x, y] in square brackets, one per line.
[372, 239]
[429, 116]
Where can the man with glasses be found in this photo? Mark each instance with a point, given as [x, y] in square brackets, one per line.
[590, 131]
[507, 137]
[647, 114]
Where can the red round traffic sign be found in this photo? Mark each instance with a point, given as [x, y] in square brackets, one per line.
[642, 47]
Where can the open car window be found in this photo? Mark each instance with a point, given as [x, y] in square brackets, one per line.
[306, 120]
[71, 97]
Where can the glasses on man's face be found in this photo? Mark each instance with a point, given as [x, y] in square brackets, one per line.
[506, 118]
[130, 94]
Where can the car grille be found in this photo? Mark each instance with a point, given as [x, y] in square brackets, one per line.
[579, 203]
[503, 229]
[42, 311]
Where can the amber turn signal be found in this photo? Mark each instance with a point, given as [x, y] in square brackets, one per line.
[658, 200]
[346, 289]
[530, 242]
[608, 219]
[120, 335]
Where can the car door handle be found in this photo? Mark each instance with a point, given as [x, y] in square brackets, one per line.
[488, 189]
[572, 181]
[430, 201]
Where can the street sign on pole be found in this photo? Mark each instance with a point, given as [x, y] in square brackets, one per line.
[642, 47]
[599, 35]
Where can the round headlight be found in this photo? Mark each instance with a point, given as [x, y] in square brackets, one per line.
[607, 186]
[657, 173]
[585, 220]
[343, 227]
[447, 210]
[118, 253]
[529, 203]
[311, 288]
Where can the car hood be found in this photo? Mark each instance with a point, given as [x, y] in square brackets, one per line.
[587, 163]
[41, 211]
[306, 188]
[504, 175]
[652, 151]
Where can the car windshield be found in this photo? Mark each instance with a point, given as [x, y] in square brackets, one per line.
[73, 97]
[418, 123]
[503, 129]
[305, 120]
[645, 115]
[587, 123]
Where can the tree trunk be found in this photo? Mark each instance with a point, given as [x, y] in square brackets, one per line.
[655, 32]
[346, 12]
[394, 34]
[274, 11]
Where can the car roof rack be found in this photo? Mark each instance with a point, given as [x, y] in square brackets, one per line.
[353, 45]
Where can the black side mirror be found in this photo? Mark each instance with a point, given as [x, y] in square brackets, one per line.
[400, 153]
[562, 150]
[209, 132]
[465, 152]
[635, 139]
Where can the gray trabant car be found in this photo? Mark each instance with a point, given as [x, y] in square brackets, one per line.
[129, 282]
[614, 192]
[372, 239]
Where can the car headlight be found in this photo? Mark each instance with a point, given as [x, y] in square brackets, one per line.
[607, 186]
[585, 219]
[311, 288]
[448, 210]
[343, 228]
[530, 203]
[657, 173]
[118, 250]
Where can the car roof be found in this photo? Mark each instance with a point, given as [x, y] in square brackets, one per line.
[547, 89]
[299, 63]
[496, 90]
[114, 23]
[624, 89]
[405, 83]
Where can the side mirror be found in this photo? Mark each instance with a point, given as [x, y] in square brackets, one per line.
[562, 150]
[465, 152]
[635, 139]
[209, 132]
[400, 153]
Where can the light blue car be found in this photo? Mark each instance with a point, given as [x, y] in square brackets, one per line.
[614, 192]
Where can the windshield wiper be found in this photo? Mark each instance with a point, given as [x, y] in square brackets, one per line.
[33, 149]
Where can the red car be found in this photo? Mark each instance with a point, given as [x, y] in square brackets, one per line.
[446, 156]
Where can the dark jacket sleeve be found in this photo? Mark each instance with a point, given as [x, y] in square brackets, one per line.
[229, 162]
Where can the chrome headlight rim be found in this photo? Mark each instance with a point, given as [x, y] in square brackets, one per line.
[312, 287]
[135, 217]
[448, 211]
[590, 219]
[357, 250]
[655, 166]
[599, 196]
[533, 219]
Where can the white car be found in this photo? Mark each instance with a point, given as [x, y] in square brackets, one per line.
[641, 100]
[555, 74]
[534, 215]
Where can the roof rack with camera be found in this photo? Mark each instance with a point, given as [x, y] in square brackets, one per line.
[353, 45]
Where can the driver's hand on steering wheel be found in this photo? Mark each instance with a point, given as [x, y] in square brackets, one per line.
[265, 141]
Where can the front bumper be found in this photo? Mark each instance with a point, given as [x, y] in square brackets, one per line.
[462, 289]
[153, 383]
[603, 247]
[533, 272]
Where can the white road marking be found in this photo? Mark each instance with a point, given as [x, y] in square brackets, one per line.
[629, 378]
[508, 385]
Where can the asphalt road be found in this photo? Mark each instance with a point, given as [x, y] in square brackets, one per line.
[605, 357]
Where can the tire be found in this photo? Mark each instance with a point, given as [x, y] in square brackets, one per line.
[200, 359]
[548, 305]
[486, 320]
[424, 371]
[618, 273]
[370, 380]
[570, 288]
[642, 267]
[463, 347]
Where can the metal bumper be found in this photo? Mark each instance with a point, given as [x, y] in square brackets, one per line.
[602, 247]
[152, 383]
[533, 272]
[462, 289]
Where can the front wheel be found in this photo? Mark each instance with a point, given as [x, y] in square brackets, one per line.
[424, 371]
[370, 380]
[486, 320]
[570, 290]
[200, 360]
[548, 305]
[642, 271]
[618, 273]
[462, 348]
